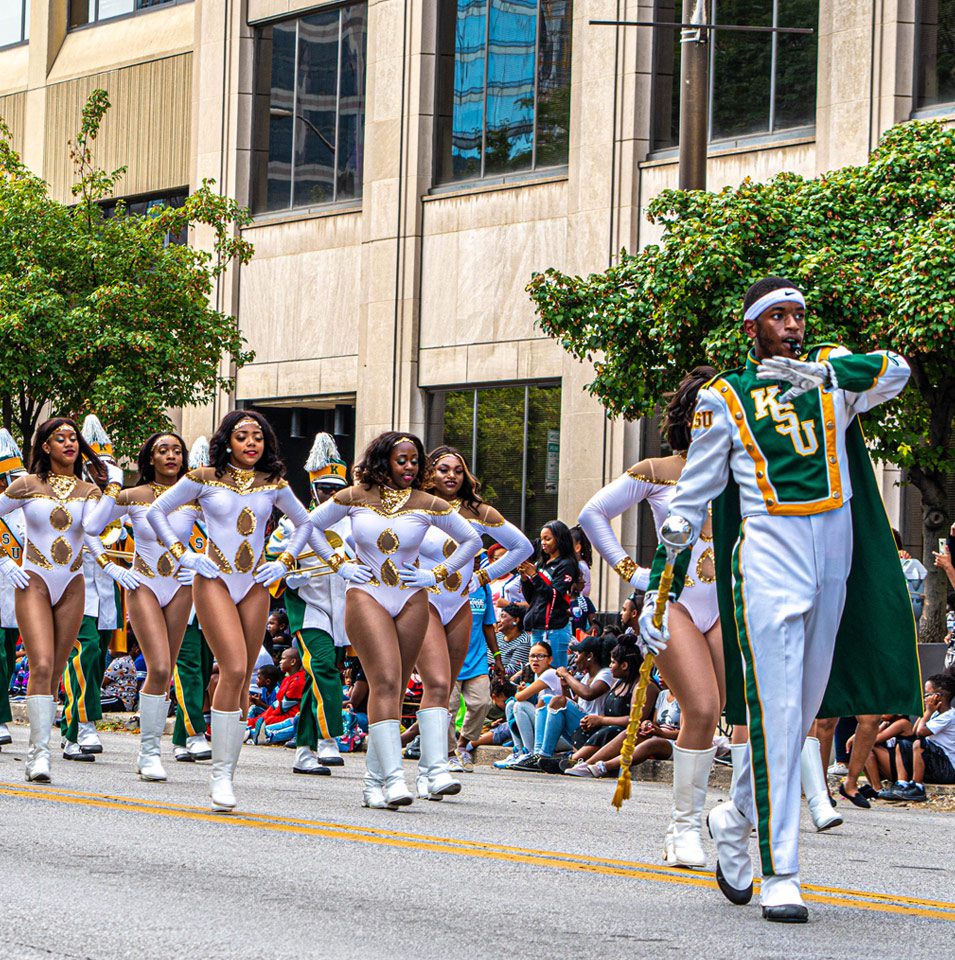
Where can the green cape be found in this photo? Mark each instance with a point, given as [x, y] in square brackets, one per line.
[875, 668]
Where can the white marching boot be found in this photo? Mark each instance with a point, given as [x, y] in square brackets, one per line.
[387, 735]
[434, 780]
[307, 762]
[5, 736]
[153, 710]
[41, 711]
[228, 732]
[734, 868]
[737, 755]
[328, 753]
[87, 738]
[781, 899]
[372, 784]
[198, 747]
[691, 774]
[824, 817]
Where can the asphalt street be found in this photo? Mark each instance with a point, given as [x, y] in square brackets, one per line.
[102, 865]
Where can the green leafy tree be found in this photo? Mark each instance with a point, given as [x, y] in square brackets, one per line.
[107, 314]
[873, 247]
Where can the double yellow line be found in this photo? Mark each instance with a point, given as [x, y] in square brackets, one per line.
[276, 823]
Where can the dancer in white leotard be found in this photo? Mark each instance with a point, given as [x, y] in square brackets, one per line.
[692, 663]
[449, 627]
[386, 607]
[236, 495]
[159, 612]
[50, 596]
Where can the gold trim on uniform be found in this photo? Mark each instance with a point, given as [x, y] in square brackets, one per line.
[113, 490]
[393, 500]
[143, 568]
[61, 486]
[61, 552]
[246, 522]
[244, 557]
[707, 554]
[440, 573]
[387, 541]
[37, 558]
[61, 518]
[166, 565]
[219, 559]
[77, 563]
[243, 478]
[103, 560]
[177, 550]
[389, 574]
[625, 568]
[640, 476]
[483, 578]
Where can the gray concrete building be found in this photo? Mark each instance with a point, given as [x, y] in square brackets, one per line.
[410, 163]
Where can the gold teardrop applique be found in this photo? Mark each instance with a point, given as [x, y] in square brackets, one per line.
[388, 541]
[453, 583]
[165, 565]
[449, 547]
[60, 518]
[706, 566]
[37, 558]
[244, 558]
[77, 563]
[389, 574]
[246, 522]
[61, 552]
[143, 568]
[218, 557]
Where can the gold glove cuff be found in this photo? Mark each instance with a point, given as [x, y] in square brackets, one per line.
[440, 573]
[286, 559]
[483, 578]
[626, 568]
[334, 561]
[177, 550]
[113, 490]
[103, 560]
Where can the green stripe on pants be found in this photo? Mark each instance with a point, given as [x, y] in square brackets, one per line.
[83, 678]
[320, 717]
[8, 660]
[191, 678]
[757, 734]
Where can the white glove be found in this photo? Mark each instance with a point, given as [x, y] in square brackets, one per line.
[417, 577]
[124, 577]
[803, 375]
[354, 572]
[185, 577]
[640, 579]
[113, 473]
[653, 639]
[199, 563]
[296, 580]
[269, 572]
[19, 578]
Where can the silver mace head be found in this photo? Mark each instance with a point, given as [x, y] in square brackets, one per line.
[676, 533]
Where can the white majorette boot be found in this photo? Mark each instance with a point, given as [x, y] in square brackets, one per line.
[228, 732]
[781, 899]
[41, 710]
[388, 749]
[153, 710]
[87, 737]
[734, 867]
[328, 753]
[691, 774]
[823, 815]
[372, 784]
[307, 762]
[5, 736]
[737, 755]
[434, 778]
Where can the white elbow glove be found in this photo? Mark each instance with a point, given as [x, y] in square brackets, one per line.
[269, 572]
[803, 375]
[19, 578]
[199, 563]
[415, 577]
[185, 576]
[354, 572]
[114, 474]
[126, 578]
[653, 640]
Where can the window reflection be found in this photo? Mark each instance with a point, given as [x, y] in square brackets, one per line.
[14, 21]
[935, 53]
[90, 11]
[311, 78]
[503, 82]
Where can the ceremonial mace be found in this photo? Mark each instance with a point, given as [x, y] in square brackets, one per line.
[676, 538]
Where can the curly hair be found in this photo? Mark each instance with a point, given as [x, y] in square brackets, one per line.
[42, 465]
[269, 463]
[375, 464]
[678, 416]
[147, 471]
[470, 492]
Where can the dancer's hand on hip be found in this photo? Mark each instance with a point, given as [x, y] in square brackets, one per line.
[355, 572]
[269, 572]
[417, 576]
[128, 579]
[199, 563]
[19, 578]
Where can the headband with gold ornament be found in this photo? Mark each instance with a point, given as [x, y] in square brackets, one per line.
[247, 422]
[402, 440]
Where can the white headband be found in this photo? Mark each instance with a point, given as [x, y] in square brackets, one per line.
[779, 295]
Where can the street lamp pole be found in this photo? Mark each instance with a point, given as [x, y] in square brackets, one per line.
[694, 99]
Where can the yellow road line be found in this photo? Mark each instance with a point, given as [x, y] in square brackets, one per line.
[833, 896]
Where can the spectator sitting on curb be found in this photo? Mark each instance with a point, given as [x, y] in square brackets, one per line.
[120, 690]
[263, 695]
[881, 763]
[287, 701]
[538, 682]
[498, 734]
[930, 758]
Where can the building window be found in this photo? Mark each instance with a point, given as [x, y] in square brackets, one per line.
[83, 12]
[14, 22]
[760, 83]
[310, 109]
[511, 437]
[934, 54]
[503, 87]
[144, 206]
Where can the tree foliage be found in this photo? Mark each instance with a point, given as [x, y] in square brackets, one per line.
[105, 314]
[872, 246]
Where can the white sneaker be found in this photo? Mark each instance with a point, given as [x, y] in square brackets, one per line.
[455, 765]
[579, 770]
[598, 769]
[466, 761]
[838, 770]
[509, 761]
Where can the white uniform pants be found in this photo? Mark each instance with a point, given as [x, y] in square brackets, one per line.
[789, 587]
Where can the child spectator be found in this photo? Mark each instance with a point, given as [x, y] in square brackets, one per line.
[931, 756]
[498, 733]
[277, 636]
[264, 693]
[275, 720]
[120, 690]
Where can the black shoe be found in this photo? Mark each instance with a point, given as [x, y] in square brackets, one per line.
[868, 792]
[786, 913]
[5, 740]
[183, 757]
[893, 793]
[319, 771]
[331, 761]
[530, 764]
[413, 750]
[291, 744]
[913, 794]
[79, 757]
[96, 748]
[550, 765]
[734, 895]
[854, 798]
